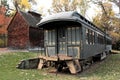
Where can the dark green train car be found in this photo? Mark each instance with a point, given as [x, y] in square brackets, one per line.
[71, 39]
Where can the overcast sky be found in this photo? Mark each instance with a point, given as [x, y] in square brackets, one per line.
[46, 4]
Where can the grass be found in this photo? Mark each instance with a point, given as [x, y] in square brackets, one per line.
[109, 69]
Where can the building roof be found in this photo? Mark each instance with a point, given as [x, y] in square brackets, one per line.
[32, 21]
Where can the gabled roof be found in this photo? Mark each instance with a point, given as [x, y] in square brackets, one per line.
[31, 20]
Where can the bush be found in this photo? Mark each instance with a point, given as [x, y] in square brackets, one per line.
[117, 45]
[1, 43]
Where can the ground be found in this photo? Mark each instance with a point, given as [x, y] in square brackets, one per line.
[108, 69]
[6, 50]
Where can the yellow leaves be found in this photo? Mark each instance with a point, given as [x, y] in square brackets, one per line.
[22, 4]
[25, 4]
[115, 36]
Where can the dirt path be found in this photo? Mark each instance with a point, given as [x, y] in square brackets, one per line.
[6, 50]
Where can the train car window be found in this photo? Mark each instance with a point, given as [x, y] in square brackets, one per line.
[73, 35]
[77, 35]
[108, 42]
[93, 36]
[46, 37]
[100, 39]
[86, 30]
[62, 32]
[53, 37]
[87, 36]
[97, 41]
[90, 37]
[69, 34]
[50, 37]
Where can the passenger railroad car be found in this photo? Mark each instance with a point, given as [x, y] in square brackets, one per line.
[70, 40]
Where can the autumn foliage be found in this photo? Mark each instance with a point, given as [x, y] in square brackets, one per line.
[4, 20]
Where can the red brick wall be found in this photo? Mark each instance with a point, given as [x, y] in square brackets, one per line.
[18, 33]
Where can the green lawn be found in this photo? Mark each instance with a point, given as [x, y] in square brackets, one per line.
[109, 69]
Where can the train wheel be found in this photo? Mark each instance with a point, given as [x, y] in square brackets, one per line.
[59, 68]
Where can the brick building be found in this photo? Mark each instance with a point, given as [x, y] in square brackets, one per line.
[22, 31]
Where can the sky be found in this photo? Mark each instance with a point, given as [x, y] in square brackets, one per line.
[41, 4]
[44, 5]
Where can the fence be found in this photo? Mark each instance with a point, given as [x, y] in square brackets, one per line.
[3, 40]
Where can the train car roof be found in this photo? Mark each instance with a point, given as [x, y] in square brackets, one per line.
[73, 16]
[62, 16]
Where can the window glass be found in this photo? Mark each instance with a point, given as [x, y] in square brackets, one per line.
[90, 37]
[46, 36]
[53, 37]
[93, 36]
[77, 35]
[69, 36]
[73, 35]
[87, 36]
[49, 37]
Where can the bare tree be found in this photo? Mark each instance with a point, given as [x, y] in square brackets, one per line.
[117, 2]
[70, 5]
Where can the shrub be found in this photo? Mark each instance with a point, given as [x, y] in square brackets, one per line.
[1, 43]
[117, 45]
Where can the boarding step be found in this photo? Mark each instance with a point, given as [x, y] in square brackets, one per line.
[74, 66]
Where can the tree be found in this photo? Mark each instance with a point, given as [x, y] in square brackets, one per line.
[107, 21]
[4, 21]
[117, 2]
[105, 16]
[22, 4]
[70, 5]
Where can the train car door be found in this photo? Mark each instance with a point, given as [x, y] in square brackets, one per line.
[61, 32]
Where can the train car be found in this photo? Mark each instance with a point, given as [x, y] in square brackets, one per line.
[71, 41]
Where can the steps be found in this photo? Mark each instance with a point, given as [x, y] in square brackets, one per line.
[74, 66]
